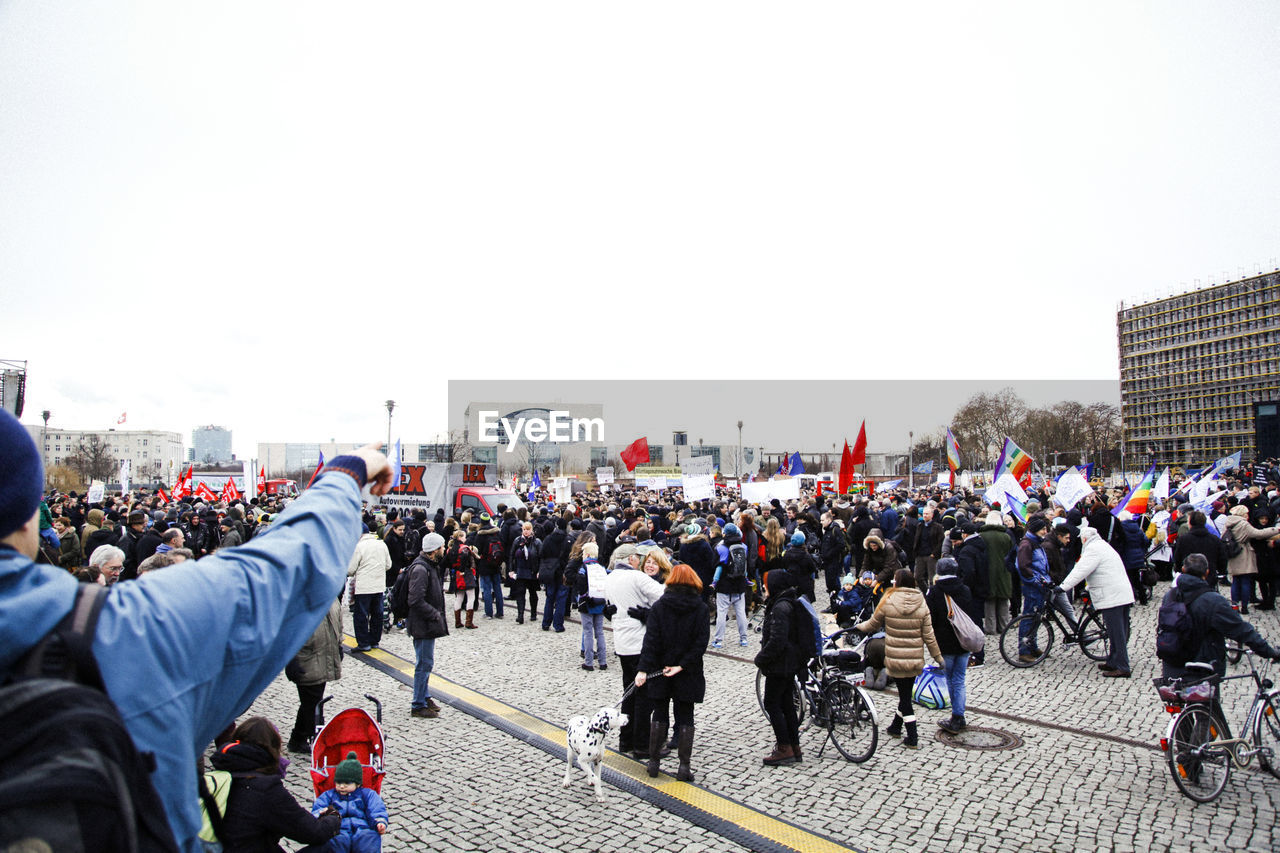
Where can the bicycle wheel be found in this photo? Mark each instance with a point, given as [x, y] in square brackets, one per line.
[1200, 769]
[850, 721]
[1266, 733]
[1040, 638]
[802, 704]
[1094, 641]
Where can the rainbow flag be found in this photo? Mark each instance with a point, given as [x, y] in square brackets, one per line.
[1136, 501]
[1017, 508]
[953, 451]
[1016, 461]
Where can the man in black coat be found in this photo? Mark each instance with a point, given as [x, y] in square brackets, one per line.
[927, 547]
[1198, 540]
[858, 533]
[129, 541]
[1213, 619]
[834, 546]
[426, 620]
[800, 563]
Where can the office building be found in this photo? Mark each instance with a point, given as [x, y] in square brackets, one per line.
[211, 445]
[154, 455]
[1193, 367]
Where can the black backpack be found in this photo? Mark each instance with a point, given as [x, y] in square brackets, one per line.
[494, 553]
[70, 775]
[736, 566]
[1175, 632]
[1233, 547]
[400, 594]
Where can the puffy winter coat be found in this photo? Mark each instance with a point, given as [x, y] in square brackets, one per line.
[1102, 567]
[626, 588]
[1239, 529]
[908, 628]
[523, 558]
[369, 564]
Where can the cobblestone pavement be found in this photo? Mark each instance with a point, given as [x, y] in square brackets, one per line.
[458, 784]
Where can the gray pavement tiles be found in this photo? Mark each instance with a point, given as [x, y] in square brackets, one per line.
[456, 784]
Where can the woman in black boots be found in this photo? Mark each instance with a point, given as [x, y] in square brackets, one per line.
[904, 616]
[675, 639]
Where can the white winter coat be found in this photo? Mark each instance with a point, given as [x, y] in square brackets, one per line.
[1102, 568]
[626, 588]
[369, 564]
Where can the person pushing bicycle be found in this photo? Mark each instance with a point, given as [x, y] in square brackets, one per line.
[1213, 621]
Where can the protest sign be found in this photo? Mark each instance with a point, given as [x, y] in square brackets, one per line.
[97, 492]
[1072, 486]
[604, 475]
[596, 575]
[767, 490]
[697, 477]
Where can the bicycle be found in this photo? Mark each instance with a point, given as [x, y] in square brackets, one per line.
[1091, 636]
[831, 696]
[1198, 741]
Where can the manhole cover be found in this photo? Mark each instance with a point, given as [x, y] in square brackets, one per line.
[976, 737]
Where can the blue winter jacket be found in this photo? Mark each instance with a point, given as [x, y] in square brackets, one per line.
[362, 809]
[184, 650]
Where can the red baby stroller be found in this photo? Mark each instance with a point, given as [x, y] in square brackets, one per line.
[352, 730]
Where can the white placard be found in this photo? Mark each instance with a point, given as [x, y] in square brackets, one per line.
[596, 575]
[767, 490]
[944, 479]
[564, 492]
[97, 492]
[656, 483]
[698, 488]
[697, 466]
[124, 476]
[1072, 486]
[604, 475]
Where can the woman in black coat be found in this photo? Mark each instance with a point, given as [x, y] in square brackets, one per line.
[955, 656]
[781, 658]
[675, 639]
[259, 810]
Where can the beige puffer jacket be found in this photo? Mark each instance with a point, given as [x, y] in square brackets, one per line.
[904, 616]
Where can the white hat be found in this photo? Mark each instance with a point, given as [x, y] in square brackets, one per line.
[432, 542]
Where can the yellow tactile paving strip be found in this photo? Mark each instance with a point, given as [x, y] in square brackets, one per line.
[724, 811]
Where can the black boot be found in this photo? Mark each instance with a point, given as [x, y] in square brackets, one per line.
[895, 728]
[685, 750]
[657, 734]
[911, 741]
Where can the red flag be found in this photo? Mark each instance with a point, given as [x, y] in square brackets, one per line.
[846, 470]
[262, 479]
[230, 492]
[122, 418]
[204, 493]
[160, 493]
[636, 452]
[859, 455]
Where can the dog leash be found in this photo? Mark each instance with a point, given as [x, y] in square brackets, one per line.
[631, 688]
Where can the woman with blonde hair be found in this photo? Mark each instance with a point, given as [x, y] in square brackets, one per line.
[775, 545]
[904, 617]
[676, 634]
[656, 565]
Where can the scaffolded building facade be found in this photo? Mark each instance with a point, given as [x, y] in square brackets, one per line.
[1195, 367]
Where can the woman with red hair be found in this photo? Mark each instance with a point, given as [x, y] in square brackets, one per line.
[675, 639]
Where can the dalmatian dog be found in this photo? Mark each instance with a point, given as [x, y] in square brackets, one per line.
[586, 743]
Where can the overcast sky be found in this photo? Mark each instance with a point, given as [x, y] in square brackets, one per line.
[276, 216]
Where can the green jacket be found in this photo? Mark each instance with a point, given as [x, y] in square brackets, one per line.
[998, 544]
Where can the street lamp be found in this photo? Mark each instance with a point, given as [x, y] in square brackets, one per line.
[738, 467]
[911, 459]
[391, 404]
[44, 454]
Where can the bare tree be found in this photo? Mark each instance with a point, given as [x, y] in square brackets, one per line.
[1100, 428]
[92, 460]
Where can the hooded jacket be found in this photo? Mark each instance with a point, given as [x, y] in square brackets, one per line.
[319, 661]
[1239, 528]
[1213, 620]
[259, 810]
[369, 565]
[625, 588]
[998, 540]
[908, 628]
[781, 651]
[948, 585]
[722, 582]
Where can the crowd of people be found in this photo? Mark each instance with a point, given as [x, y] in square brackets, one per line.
[661, 570]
